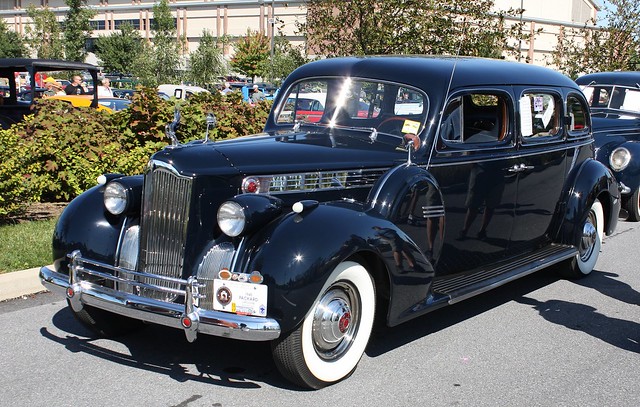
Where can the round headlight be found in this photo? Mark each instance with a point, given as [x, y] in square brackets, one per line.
[115, 198]
[619, 159]
[231, 218]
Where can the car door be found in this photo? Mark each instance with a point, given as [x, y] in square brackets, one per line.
[540, 168]
[472, 163]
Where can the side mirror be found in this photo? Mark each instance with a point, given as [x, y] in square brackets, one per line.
[211, 123]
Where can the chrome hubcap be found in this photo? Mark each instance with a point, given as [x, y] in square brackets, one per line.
[335, 321]
[588, 241]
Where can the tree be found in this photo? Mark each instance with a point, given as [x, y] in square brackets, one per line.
[11, 43]
[206, 63]
[77, 29]
[369, 27]
[612, 45]
[119, 50]
[286, 58]
[251, 52]
[43, 35]
[166, 49]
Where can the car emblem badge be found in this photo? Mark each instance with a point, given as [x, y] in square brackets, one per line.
[223, 295]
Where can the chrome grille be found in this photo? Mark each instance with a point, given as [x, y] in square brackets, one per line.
[167, 197]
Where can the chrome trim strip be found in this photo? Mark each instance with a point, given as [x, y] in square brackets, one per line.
[570, 146]
[208, 322]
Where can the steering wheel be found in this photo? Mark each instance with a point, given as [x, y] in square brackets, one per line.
[390, 122]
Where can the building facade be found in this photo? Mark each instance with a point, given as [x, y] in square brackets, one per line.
[543, 19]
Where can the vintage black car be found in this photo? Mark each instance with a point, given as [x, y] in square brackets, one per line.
[614, 99]
[425, 181]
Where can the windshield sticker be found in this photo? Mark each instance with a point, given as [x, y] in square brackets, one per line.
[411, 126]
[538, 104]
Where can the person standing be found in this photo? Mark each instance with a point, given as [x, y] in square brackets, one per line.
[257, 95]
[75, 87]
[104, 91]
[227, 88]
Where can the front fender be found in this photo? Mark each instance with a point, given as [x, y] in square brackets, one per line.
[85, 225]
[592, 181]
[630, 176]
[297, 253]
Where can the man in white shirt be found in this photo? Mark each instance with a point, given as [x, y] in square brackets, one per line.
[104, 91]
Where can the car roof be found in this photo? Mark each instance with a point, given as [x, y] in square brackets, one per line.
[425, 71]
[627, 78]
[26, 64]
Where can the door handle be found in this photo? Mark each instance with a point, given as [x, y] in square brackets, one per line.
[520, 167]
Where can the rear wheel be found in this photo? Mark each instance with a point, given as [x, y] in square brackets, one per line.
[632, 205]
[590, 242]
[104, 323]
[329, 343]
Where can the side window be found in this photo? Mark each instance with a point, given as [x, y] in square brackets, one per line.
[598, 96]
[476, 118]
[540, 115]
[408, 102]
[577, 116]
[631, 100]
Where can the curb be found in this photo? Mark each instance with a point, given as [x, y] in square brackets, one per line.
[19, 283]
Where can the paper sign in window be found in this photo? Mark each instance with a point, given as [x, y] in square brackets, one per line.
[548, 114]
[526, 122]
[411, 126]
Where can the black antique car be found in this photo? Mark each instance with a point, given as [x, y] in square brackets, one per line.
[614, 100]
[424, 182]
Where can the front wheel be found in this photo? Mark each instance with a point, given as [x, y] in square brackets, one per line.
[329, 343]
[632, 205]
[589, 246]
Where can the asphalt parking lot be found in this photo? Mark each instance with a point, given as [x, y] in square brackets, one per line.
[539, 341]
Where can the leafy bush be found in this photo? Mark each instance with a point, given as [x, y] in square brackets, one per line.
[15, 190]
[59, 151]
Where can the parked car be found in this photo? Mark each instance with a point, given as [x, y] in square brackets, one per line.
[16, 104]
[123, 93]
[83, 101]
[114, 104]
[614, 100]
[304, 234]
[180, 91]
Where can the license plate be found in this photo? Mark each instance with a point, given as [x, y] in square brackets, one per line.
[240, 298]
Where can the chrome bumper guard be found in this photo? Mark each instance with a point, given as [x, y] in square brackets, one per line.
[624, 189]
[189, 317]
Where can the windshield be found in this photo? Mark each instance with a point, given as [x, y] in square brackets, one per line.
[355, 103]
[613, 97]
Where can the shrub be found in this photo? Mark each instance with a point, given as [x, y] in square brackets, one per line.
[15, 190]
[59, 151]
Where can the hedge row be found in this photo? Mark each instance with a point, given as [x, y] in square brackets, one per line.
[59, 151]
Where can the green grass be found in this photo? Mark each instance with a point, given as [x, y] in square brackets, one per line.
[25, 245]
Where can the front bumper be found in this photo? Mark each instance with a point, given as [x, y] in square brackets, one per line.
[189, 317]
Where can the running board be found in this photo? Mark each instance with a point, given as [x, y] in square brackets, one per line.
[462, 287]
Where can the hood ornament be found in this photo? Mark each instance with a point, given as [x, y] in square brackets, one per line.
[170, 129]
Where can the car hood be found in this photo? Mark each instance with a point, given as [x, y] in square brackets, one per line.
[272, 153]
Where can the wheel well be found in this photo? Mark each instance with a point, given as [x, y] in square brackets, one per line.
[378, 271]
